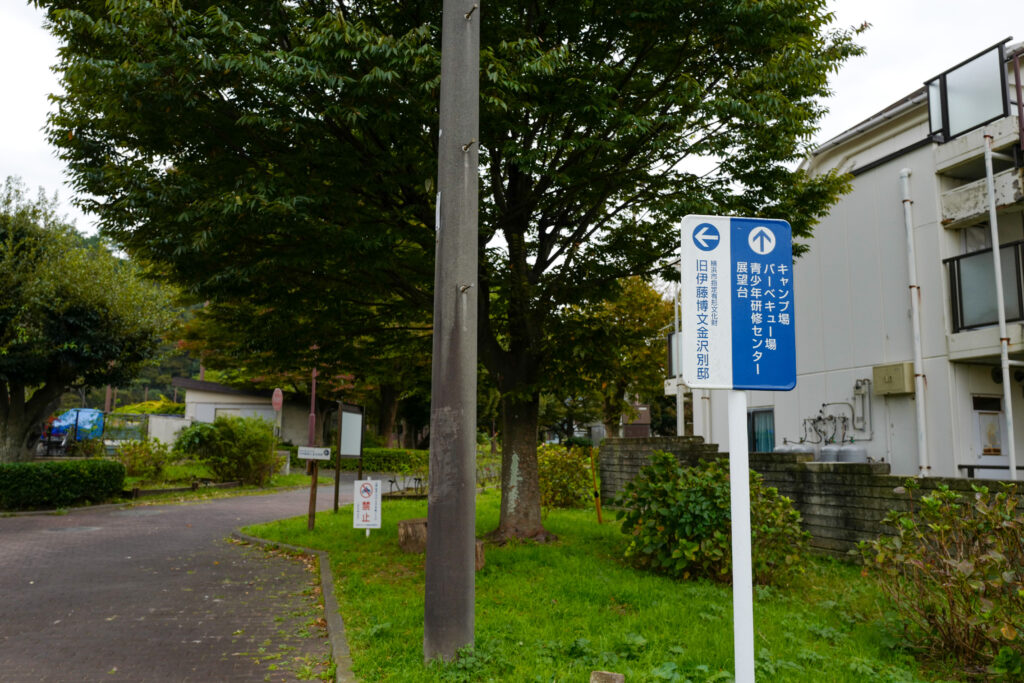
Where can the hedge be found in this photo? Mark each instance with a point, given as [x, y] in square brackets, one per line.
[388, 460]
[27, 485]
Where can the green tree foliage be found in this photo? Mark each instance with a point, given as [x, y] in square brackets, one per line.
[70, 316]
[282, 155]
[679, 522]
[614, 349]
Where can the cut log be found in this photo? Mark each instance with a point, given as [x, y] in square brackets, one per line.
[412, 535]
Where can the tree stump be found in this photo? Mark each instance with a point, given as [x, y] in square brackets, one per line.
[412, 535]
[412, 538]
[479, 555]
[606, 677]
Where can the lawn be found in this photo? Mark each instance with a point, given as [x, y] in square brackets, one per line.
[556, 612]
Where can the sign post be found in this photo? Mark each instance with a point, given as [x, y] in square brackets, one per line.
[277, 402]
[314, 454]
[350, 441]
[738, 334]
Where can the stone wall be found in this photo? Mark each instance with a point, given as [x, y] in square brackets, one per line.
[620, 458]
[841, 503]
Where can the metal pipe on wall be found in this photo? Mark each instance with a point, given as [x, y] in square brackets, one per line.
[923, 468]
[1004, 340]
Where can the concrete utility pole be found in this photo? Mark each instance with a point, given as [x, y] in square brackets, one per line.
[448, 618]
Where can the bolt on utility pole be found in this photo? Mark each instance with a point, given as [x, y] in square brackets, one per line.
[448, 618]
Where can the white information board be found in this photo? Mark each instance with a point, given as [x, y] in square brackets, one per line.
[351, 434]
[366, 505]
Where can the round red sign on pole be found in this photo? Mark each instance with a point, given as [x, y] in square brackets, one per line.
[278, 400]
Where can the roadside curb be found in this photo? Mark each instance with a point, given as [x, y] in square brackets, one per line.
[335, 624]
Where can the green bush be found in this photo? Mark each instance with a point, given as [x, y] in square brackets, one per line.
[146, 459]
[954, 571]
[28, 485]
[397, 460]
[160, 406]
[565, 477]
[239, 449]
[679, 522]
[192, 438]
[87, 448]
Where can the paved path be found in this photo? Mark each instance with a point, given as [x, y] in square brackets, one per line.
[158, 593]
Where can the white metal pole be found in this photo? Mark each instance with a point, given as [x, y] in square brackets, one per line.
[742, 574]
[677, 359]
[1004, 340]
[923, 468]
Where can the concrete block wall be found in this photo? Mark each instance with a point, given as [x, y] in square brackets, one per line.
[620, 458]
[841, 503]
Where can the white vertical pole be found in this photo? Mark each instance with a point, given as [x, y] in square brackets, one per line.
[1004, 340]
[677, 372]
[742, 573]
[915, 323]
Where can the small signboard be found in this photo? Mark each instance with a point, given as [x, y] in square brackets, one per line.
[314, 453]
[366, 505]
[738, 325]
[351, 431]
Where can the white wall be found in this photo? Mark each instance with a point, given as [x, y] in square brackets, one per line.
[166, 427]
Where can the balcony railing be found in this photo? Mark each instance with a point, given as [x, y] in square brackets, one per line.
[972, 284]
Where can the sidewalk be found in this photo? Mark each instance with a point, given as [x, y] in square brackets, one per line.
[158, 593]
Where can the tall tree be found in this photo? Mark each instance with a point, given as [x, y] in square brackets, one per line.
[240, 143]
[71, 315]
[615, 349]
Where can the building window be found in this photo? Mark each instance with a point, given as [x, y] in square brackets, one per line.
[972, 286]
[988, 411]
[761, 430]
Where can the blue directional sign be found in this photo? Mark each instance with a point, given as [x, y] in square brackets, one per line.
[706, 237]
[738, 325]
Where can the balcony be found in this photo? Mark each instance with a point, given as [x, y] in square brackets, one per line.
[972, 287]
[968, 204]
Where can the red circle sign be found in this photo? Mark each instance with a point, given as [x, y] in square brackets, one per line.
[278, 399]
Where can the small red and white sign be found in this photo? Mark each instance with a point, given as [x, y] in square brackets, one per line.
[366, 505]
[277, 400]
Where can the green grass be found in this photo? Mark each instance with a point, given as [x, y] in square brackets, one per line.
[556, 612]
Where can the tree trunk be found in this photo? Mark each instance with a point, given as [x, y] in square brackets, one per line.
[520, 486]
[388, 412]
[18, 421]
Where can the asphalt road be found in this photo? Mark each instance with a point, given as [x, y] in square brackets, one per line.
[158, 593]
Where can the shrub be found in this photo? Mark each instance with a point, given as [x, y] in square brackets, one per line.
[192, 438]
[954, 571]
[87, 448]
[679, 522]
[397, 460]
[565, 477]
[27, 485]
[576, 441]
[145, 459]
[239, 449]
[160, 406]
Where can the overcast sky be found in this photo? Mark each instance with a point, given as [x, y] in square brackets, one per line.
[910, 41]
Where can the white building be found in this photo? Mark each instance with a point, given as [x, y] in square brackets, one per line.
[855, 343]
[206, 401]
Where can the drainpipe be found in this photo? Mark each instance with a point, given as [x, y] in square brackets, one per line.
[1004, 340]
[923, 468]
